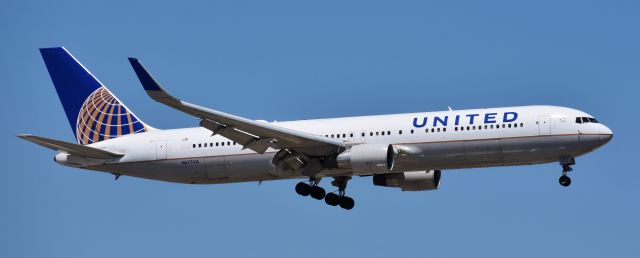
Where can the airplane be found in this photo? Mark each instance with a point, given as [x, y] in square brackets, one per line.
[405, 151]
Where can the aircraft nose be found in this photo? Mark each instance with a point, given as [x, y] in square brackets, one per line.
[605, 133]
[595, 140]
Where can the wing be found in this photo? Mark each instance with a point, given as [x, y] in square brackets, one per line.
[257, 136]
[75, 149]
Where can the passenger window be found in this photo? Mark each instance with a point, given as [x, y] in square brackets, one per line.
[388, 132]
[411, 131]
[426, 130]
[377, 133]
[344, 135]
[432, 130]
[468, 128]
[486, 126]
[217, 144]
[371, 134]
[444, 129]
[438, 129]
[382, 132]
[521, 125]
[194, 145]
[509, 125]
[338, 136]
[456, 128]
[351, 135]
[362, 134]
[199, 145]
[400, 132]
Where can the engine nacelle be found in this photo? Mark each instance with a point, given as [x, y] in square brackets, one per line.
[410, 181]
[368, 158]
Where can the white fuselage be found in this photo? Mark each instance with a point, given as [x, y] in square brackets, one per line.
[430, 141]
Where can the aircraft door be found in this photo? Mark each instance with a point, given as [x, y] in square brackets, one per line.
[544, 125]
[161, 149]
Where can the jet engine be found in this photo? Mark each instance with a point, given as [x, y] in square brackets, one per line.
[368, 158]
[410, 181]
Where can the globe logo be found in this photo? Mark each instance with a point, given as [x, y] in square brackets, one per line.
[103, 117]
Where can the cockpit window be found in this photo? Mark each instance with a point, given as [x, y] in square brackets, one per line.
[584, 120]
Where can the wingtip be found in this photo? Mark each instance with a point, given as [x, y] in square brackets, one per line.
[24, 135]
[147, 81]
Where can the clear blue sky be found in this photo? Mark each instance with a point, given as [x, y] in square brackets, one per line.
[288, 60]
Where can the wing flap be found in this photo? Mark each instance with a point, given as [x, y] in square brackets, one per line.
[74, 149]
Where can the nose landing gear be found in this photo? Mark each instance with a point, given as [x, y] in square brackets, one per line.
[566, 163]
[565, 181]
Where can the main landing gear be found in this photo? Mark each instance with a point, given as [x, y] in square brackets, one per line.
[341, 199]
[566, 163]
[312, 189]
[316, 192]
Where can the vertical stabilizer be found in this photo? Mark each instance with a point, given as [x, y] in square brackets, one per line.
[94, 113]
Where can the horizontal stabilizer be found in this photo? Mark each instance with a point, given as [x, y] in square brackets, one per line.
[74, 149]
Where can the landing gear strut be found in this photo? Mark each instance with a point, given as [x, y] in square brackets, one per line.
[566, 163]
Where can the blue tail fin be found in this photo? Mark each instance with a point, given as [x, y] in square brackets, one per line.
[94, 113]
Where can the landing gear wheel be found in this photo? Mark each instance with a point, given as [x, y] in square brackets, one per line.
[346, 203]
[303, 189]
[317, 192]
[332, 199]
[566, 163]
[565, 181]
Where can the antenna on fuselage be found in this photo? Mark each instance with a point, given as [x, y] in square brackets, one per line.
[450, 109]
